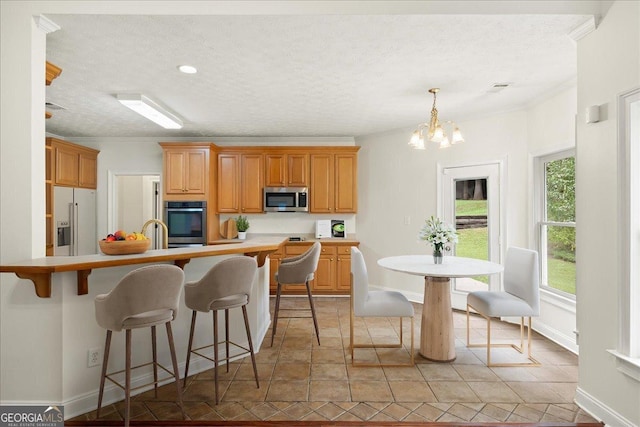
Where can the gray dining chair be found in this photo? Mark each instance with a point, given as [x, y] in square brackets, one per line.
[145, 297]
[297, 270]
[225, 286]
[368, 303]
[521, 298]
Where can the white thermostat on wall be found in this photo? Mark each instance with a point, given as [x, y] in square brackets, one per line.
[323, 228]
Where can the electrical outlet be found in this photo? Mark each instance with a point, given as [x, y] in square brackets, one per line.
[407, 220]
[94, 357]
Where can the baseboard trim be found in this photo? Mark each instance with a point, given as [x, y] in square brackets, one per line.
[556, 336]
[600, 411]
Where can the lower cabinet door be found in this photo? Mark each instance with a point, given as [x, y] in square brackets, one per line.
[343, 273]
[325, 274]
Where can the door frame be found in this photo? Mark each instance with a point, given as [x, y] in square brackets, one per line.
[458, 299]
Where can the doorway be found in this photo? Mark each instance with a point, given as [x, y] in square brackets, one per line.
[471, 200]
[132, 200]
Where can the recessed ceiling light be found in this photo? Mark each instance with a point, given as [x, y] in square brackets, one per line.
[187, 69]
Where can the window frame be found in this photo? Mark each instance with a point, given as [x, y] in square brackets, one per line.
[541, 221]
[627, 352]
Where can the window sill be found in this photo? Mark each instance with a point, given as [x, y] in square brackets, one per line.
[629, 366]
[558, 300]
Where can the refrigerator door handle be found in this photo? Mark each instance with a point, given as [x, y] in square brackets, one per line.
[73, 216]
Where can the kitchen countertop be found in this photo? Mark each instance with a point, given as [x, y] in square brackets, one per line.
[39, 270]
[350, 240]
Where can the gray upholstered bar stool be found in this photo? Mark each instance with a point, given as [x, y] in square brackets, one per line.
[145, 297]
[297, 270]
[225, 286]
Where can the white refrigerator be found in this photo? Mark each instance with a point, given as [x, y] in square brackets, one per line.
[74, 216]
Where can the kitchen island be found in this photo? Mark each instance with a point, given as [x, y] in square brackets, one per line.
[39, 270]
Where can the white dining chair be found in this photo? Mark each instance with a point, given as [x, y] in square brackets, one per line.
[521, 298]
[368, 303]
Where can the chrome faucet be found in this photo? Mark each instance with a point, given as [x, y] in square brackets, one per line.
[165, 240]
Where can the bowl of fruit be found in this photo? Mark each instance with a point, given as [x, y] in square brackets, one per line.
[122, 243]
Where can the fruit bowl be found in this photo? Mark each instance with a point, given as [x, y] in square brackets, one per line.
[124, 247]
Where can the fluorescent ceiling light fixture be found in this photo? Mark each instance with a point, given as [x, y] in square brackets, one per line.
[151, 110]
[187, 69]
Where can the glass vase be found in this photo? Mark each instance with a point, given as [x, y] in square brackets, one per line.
[437, 255]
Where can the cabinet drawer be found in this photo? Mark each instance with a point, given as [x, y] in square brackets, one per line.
[296, 249]
[344, 250]
[328, 250]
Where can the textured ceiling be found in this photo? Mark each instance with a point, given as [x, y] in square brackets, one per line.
[322, 75]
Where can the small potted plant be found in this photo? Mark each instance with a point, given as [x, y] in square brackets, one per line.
[242, 223]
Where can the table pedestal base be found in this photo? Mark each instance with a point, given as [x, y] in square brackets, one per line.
[437, 337]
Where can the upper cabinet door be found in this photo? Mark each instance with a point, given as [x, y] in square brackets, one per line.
[175, 165]
[67, 166]
[275, 170]
[88, 170]
[297, 170]
[321, 191]
[346, 198]
[186, 172]
[196, 172]
[252, 183]
[228, 183]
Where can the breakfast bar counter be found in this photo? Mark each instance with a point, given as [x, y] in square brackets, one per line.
[39, 270]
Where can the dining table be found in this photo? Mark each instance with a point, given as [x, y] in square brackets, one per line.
[437, 335]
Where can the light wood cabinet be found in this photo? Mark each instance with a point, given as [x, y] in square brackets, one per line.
[334, 187]
[322, 189]
[73, 165]
[286, 170]
[186, 171]
[240, 182]
[332, 277]
[66, 165]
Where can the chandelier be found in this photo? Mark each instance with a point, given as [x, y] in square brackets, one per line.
[433, 131]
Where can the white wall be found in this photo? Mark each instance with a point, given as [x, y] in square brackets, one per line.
[608, 64]
[397, 181]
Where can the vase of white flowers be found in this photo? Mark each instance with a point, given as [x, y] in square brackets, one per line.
[439, 235]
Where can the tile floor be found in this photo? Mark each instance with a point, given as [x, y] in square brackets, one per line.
[300, 380]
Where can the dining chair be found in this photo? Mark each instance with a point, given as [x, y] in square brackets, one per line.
[521, 298]
[225, 286]
[297, 270]
[368, 303]
[145, 297]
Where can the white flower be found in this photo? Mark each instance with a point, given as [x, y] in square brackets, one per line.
[438, 233]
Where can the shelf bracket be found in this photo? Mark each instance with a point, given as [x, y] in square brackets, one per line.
[42, 282]
[182, 262]
[83, 281]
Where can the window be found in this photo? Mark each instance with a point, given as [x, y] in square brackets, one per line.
[628, 351]
[556, 223]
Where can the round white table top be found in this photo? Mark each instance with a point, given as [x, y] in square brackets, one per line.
[452, 266]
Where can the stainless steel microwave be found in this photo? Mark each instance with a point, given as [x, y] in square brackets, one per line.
[286, 199]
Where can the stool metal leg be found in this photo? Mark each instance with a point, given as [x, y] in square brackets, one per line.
[253, 357]
[215, 352]
[105, 359]
[313, 312]
[155, 361]
[226, 335]
[127, 376]
[275, 312]
[191, 331]
[174, 361]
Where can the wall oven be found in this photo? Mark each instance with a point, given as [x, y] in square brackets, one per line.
[186, 223]
[285, 199]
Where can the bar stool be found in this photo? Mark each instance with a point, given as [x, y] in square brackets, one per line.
[226, 285]
[297, 270]
[145, 297]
